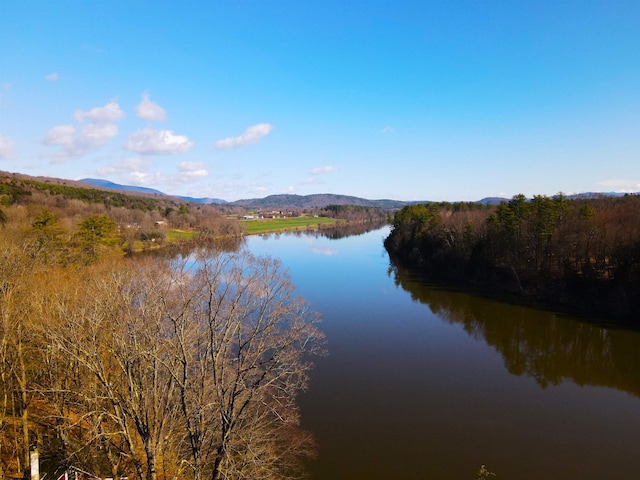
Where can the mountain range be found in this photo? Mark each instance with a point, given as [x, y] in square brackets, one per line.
[272, 201]
[304, 201]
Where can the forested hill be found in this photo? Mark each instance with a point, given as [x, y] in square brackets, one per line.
[316, 201]
[578, 254]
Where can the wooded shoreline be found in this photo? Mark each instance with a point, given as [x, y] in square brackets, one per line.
[575, 256]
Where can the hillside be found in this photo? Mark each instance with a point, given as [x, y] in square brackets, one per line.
[96, 182]
[316, 201]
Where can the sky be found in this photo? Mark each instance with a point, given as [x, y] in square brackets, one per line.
[406, 100]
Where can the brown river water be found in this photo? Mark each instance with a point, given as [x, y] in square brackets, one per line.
[425, 383]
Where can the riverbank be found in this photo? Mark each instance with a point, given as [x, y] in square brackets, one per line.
[271, 225]
[576, 256]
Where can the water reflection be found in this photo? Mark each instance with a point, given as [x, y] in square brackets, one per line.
[547, 347]
[341, 230]
[200, 248]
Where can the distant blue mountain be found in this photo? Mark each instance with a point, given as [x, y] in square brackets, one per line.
[96, 182]
[205, 200]
[493, 200]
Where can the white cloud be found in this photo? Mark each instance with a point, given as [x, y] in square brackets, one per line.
[145, 178]
[99, 130]
[60, 135]
[150, 111]
[157, 142]
[251, 135]
[52, 77]
[6, 147]
[95, 135]
[110, 113]
[387, 130]
[622, 186]
[323, 170]
[75, 143]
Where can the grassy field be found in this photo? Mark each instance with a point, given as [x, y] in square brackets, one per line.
[252, 227]
[275, 224]
[177, 235]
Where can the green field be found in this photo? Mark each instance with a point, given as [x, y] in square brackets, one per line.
[177, 235]
[276, 224]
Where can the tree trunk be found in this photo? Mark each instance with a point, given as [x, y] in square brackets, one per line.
[151, 460]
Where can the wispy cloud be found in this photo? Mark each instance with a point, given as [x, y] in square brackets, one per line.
[150, 111]
[157, 142]
[6, 147]
[192, 170]
[52, 77]
[387, 130]
[251, 135]
[315, 175]
[127, 166]
[323, 170]
[324, 251]
[621, 186]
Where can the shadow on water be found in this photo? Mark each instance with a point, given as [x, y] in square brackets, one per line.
[545, 346]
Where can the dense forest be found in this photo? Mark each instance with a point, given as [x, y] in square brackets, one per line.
[144, 366]
[582, 255]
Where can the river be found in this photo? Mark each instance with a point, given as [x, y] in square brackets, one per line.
[425, 383]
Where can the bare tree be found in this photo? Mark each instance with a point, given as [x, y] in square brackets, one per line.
[191, 366]
[19, 350]
[243, 340]
[116, 334]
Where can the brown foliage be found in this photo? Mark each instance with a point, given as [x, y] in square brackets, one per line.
[149, 368]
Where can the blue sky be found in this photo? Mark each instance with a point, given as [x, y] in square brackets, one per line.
[409, 100]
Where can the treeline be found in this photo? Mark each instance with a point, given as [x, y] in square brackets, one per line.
[356, 213]
[581, 254]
